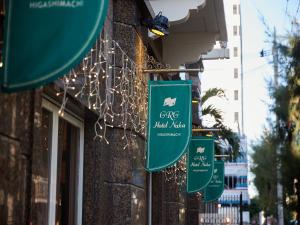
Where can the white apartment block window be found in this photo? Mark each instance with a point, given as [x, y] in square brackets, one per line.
[236, 73]
[235, 52]
[236, 95]
[235, 9]
[235, 30]
[58, 184]
[236, 116]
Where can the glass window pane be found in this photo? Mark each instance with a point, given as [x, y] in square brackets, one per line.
[234, 9]
[235, 51]
[40, 171]
[236, 73]
[236, 116]
[235, 31]
[236, 95]
[68, 136]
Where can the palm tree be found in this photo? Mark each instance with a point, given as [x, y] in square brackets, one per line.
[228, 142]
[210, 110]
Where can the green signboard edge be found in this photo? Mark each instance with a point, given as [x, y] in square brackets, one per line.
[200, 189]
[59, 72]
[187, 82]
[219, 194]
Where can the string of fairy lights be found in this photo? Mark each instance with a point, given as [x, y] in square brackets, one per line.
[111, 84]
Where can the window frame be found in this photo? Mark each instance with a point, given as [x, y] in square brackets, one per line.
[236, 116]
[236, 95]
[235, 30]
[54, 109]
[235, 52]
[234, 9]
[235, 73]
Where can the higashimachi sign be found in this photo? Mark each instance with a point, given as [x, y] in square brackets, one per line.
[44, 39]
[169, 122]
[215, 188]
[200, 163]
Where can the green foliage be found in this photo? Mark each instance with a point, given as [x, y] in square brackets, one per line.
[254, 208]
[213, 92]
[264, 168]
[215, 113]
[279, 136]
[231, 139]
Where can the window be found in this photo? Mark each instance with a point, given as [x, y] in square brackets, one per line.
[235, 52]
[236, 116]
[236, 73]
[230, 182]
[58, 177]
[236, 95]
[234, 9]
[235, 30]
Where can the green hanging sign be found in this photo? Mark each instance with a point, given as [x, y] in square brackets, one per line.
[169, 122]
[200, 163]
[215, 188]
[44, 39]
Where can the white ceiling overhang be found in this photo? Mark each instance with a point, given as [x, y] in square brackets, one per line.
[195, 26]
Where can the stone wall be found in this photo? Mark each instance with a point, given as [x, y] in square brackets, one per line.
[16, 144]
[115, 181]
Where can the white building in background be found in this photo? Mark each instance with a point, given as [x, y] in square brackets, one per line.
[228, 75]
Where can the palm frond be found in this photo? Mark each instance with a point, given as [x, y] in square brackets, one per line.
[214, 112]
[213, 92]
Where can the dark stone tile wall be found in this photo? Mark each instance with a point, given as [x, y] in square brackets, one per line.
[115, 181]
[16, 141]
[169, 201]
[192, 212]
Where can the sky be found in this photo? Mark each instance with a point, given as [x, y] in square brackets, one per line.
[257, 70]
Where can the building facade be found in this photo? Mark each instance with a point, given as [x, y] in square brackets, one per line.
[54, 167]
[228, 75]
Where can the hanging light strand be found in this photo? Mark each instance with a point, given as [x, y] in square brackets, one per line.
[111, 86]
